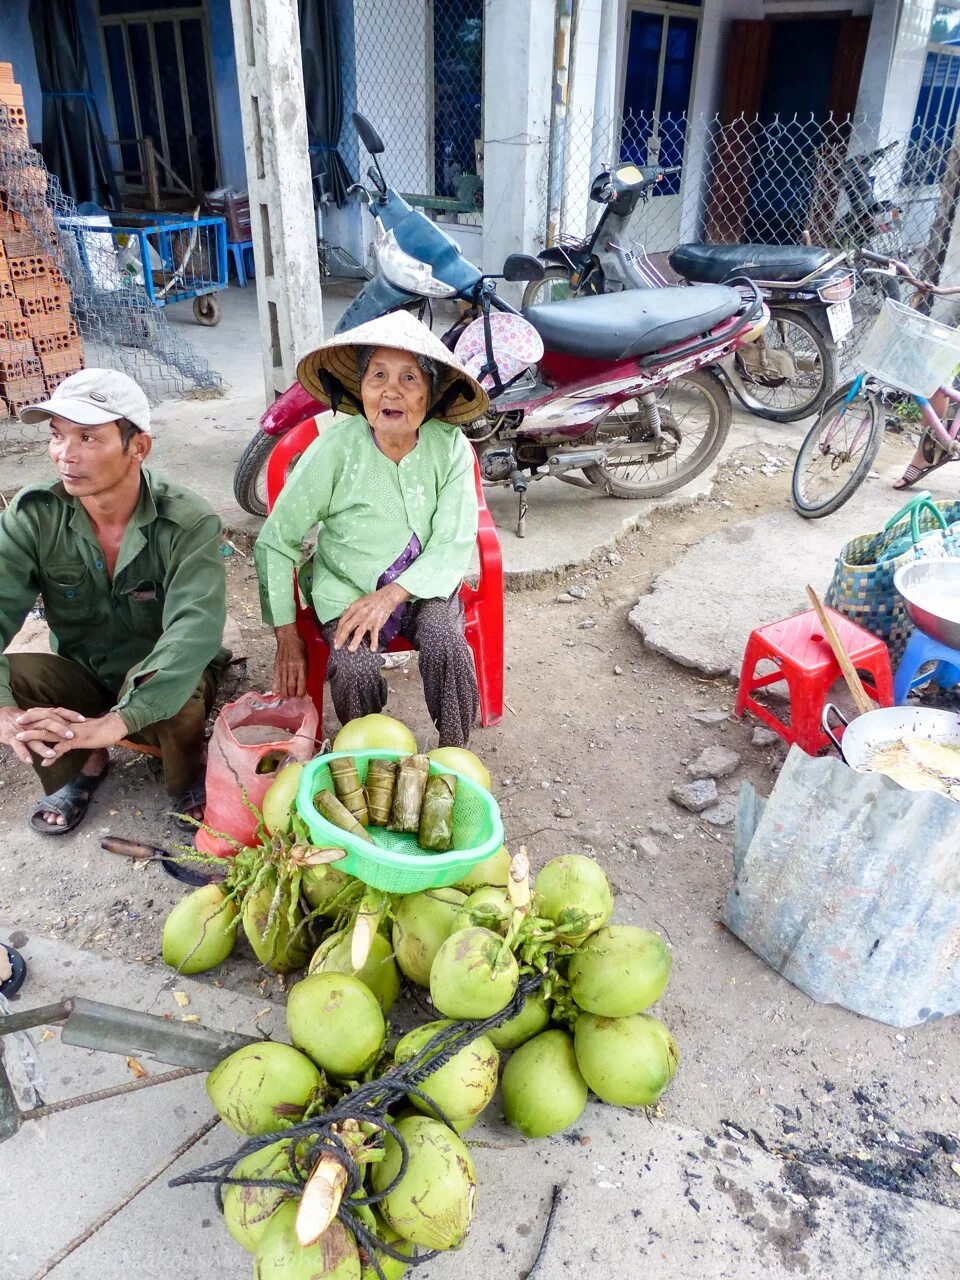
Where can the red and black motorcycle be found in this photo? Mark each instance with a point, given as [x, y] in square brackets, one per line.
[622, 399]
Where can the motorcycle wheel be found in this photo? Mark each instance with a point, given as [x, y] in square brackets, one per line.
[815, 361]
[695, 412]
[554, 287]
[837, 453]
[250, 477]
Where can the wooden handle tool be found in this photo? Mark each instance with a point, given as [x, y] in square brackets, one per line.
[854, 683]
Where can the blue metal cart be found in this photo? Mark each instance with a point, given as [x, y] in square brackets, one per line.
[171, 257]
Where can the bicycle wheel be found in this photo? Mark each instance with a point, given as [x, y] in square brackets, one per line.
[837, 453]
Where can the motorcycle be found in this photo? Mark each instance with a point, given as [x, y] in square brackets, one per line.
[623, 393]
[791, 370]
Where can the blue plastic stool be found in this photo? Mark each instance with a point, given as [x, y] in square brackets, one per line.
[237, 249]
[923, 649]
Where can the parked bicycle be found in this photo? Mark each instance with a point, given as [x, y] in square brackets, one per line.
[906, 350]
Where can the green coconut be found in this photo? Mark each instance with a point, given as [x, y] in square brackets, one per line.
[462, 1087]
[626, 1061]
[422, 922]
[392, 1268]
[279, 1255]
[375, 732]
[247, 1210]
[460, 760]
[278, 803]
[335, 1019]
[473, 975]
[488, 907]
[200, 931]
[494, 870]
[277, 943]
[573, 892]
[379, 972]
[619, 970]
[263, 1087]
[433, 1204]
[321, 885]
[543, 1089]
[533, 1018]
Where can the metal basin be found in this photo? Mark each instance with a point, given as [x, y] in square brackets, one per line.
[863, 736]
[931, 591]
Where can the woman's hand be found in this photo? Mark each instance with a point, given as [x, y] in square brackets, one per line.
[290, 663]
[366, 616]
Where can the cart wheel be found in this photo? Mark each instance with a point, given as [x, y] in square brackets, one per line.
[206, 310]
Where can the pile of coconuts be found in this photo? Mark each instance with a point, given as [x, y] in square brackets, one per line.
[552, 986]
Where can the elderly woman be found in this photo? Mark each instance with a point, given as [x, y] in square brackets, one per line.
[392, 493]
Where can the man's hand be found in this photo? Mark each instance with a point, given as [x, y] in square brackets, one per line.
[88, 735]
[366, 616]
[290, 664]
[38, 729]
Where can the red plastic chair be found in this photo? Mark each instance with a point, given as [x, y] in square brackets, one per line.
[482, 605]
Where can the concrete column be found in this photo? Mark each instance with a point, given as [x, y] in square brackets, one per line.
[517, 75]
[892, 70]
[270, 73]
[605, 106]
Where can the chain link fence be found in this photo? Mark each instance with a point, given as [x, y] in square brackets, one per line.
[419, 80]
[776, 182]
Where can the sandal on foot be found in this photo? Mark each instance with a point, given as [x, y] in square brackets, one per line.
[933, 455]
[70, 802]
[18, 971]
[194, 797]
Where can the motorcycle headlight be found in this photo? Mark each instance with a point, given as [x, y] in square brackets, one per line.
[408, 273]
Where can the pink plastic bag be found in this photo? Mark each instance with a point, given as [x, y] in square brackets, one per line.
[246, 731]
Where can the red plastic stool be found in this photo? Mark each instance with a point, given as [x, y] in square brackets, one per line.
[804, 659]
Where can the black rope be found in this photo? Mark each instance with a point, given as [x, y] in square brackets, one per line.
[367, 1104]
[554, 1203]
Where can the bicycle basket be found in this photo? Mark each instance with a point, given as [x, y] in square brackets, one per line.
[910, 351]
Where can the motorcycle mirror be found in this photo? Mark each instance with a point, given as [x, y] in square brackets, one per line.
[368, 134]
[523, 266]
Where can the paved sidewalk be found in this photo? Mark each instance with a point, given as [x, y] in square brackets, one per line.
[640, 1196]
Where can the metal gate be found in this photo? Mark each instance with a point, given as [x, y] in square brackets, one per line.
[158, 68]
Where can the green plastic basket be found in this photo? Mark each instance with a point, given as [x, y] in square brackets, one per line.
[395, 862]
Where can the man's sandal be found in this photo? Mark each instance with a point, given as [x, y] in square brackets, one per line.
[195, 797]
[70, 802]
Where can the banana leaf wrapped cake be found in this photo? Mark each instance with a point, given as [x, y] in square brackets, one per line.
[408, 795]
[436, 813]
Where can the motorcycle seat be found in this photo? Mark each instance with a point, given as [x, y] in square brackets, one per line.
[636, 322]
[714, 263]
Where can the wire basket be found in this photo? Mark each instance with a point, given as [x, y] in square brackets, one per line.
[910, 351]
[395, 862]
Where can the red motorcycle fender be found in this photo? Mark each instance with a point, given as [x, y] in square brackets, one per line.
[288, 410]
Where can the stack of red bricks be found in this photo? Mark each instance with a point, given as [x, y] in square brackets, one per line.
[39, 341]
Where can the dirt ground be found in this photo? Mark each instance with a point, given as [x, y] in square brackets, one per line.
[597, 730]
